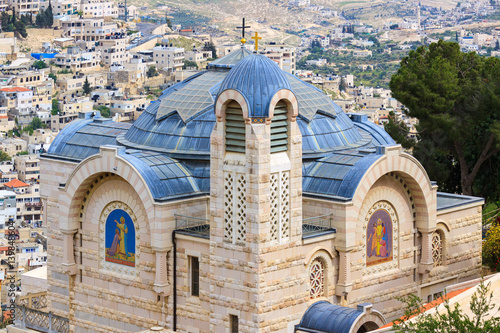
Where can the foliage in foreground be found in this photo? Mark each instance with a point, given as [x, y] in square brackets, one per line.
[453, 319]
[491, 248]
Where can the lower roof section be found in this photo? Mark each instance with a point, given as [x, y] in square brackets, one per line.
[448, 200]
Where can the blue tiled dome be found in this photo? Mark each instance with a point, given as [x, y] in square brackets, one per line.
[178, 126]
[258, 79]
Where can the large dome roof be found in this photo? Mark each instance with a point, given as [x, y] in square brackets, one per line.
[170, 142]
[181, 121]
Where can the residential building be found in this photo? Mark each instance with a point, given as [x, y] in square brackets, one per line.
[98, 9]
[77, 60]
[129, 109]
[76, 82]
[25, 7]
[283, 55]
[27, 167]
[113, 50]
[12, 146]
[88, 30]
[362, 53]
[168, 58]
[28, 203]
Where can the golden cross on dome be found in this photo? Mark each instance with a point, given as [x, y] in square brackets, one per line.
[243, 26]
[256, 38]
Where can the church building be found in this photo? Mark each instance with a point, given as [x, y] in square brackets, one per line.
[245, 200]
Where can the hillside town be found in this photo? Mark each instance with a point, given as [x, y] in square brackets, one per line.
[63, 60]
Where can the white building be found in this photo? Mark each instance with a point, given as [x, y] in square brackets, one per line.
[169, 58]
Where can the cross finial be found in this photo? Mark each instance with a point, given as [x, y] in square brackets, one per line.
[243, 26]
[256, 38]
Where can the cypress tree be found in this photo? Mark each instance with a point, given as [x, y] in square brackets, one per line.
[49, 16]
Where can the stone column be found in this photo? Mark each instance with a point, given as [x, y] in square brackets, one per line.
[426, 261]
[344, 285]
[69, 265]
[161, 285]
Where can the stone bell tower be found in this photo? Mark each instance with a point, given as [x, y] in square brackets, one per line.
[258, 281]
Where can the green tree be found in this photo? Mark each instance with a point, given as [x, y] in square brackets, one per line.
[342, 85]
[104, 110]
[20, 28]
[454, 95]
[86, 87]
[152, 71]
[188, 63]
[452, 319]
[211, 47]
[398, 130]
[39, 64]
[4, 156]
[5, 17]
[49, 16]
[36, 123]
[53, 77]
[55, 107]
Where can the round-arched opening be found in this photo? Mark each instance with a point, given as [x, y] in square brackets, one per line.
[367, 327]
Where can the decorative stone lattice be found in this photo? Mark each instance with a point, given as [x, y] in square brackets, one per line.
[241, 207]
[228, 206]
[280, 206]
[437, 248]
[317, 278]
[274, 214]
[285, 205]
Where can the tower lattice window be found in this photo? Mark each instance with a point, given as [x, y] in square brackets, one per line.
[234, 207]
[437, 248]
[280, 206]
[317, 278]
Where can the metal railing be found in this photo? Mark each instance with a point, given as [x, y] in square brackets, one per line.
[33, 300]
[193, 226]
[40, 321]
[30, 314]
[317, 226]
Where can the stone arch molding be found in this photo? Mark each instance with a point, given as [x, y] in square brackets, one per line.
[86, 172]
[291, 103]
[225, 98]
[413, 173]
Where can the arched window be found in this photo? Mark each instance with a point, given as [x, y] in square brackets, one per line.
[437, 248]
[279, 129]
[235, 128]
[317, 278]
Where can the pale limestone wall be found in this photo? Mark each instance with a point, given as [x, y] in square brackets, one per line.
[193, 312]
[54, 173]
[258, 279]
[462, 247]
[97, 296]
[462, 251]
[380, 284]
